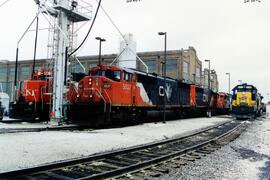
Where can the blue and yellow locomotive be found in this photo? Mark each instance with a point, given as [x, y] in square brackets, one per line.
[246, 102]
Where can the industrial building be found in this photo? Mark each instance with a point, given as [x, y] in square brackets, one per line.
[182, 64]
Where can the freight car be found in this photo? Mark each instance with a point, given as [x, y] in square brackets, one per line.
[111, 94]
[246, 102]
[33, 97]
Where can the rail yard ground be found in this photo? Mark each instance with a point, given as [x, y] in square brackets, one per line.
[247, 157]
[22, 150]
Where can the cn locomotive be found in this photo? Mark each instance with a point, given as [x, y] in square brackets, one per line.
[246, 102]
[33, 97]
[112, 94]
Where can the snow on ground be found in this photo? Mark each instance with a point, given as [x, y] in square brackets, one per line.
[15, 123]
[248, 157]
[22, 150]
[4, 125]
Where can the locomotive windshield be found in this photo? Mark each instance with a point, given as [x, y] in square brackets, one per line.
[246, 89]
[113, 75]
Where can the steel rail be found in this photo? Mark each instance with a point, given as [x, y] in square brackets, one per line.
[159, 159]
[47, 168]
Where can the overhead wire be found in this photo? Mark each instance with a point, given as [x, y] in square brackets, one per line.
[2, 4]
[113, 23]
[90, 29]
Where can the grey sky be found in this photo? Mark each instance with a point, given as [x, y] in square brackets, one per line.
[234, 35]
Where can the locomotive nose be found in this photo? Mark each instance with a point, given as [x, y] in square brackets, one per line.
[90, 90]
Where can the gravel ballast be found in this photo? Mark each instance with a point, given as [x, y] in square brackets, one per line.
[248, 157]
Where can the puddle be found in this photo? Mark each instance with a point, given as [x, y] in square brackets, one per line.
[253, 157]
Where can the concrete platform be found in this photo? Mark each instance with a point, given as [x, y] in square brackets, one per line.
[22, 150]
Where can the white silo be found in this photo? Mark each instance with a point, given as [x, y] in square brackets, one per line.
[128, 50]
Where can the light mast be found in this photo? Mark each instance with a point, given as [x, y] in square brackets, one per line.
[66, 13]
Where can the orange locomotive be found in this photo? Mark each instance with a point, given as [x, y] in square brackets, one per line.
[111, 94]
[223, 103]
[33, 97]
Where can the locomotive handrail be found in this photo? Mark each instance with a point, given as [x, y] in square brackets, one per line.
[101, 97]
[42, 96]
[109, 100]
[35, 100]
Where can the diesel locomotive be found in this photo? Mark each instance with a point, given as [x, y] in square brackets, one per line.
[112, 94]
[246, 102]
[33, 97]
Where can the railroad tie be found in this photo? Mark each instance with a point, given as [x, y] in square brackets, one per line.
[89, 169]
[188, 158]
[196, 155]
[117, 162]
[203, 151]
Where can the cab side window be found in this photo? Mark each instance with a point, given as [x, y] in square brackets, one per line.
[117, 75]
[127, 76]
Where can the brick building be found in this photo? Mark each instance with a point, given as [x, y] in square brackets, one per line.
[182, 64]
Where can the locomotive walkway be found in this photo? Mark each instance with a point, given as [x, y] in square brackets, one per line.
[139, 161]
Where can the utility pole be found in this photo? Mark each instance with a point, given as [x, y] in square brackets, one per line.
[164, 69]
[100, 41]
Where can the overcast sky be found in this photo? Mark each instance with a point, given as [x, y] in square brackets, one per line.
[234, 35]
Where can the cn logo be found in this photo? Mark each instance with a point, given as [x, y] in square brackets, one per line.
[29, 92]
[168, 92]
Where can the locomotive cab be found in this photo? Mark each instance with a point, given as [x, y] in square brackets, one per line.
[105, 92]
[246, 101]
[33, 99]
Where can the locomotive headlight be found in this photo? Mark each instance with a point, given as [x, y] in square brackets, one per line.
[30, 103]
[90, 81]
[91, 96]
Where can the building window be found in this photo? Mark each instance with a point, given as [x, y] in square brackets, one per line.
[76, 68]
[12, 72]
[38, 67]
[3, 73]
[151, 65]
[185, 71]
[90, 65]
[25, 71]
[198, 75]
[171, 65]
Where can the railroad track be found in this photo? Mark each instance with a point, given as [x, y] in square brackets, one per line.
[140, 161]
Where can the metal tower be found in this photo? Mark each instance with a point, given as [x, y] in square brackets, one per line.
[66, 13]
